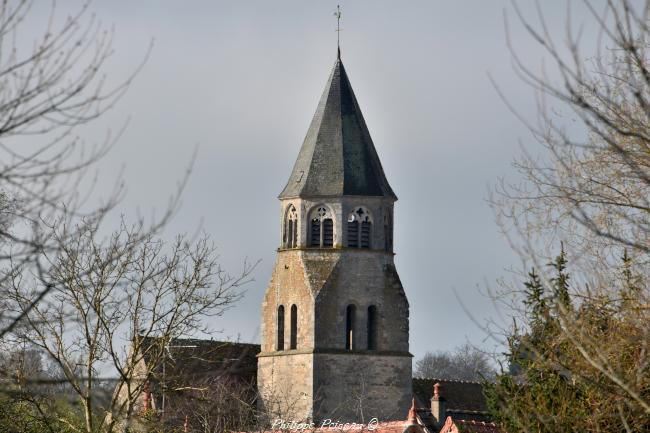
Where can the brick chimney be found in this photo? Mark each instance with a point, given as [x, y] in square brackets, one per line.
[438, 406]
[146, 397]
[412, 425]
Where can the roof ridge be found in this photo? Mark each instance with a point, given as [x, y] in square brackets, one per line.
[467, 411]
[199, 340]
[447, 380]
[473, 421]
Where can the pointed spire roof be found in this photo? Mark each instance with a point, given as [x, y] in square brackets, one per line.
[337, 157]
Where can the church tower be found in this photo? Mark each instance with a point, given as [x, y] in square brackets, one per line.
[335, 329]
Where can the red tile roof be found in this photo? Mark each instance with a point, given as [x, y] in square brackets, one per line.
[469, 426]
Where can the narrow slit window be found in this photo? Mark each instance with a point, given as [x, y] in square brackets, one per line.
[372, 328]
[294, 327]
[350, 314]
[280, 337]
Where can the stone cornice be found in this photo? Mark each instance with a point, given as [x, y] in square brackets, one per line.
[336, 352]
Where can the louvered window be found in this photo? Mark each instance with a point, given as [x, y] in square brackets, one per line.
[328, 233]
[315, 233]
[321, 228]
[359, 228]
[353, 234]
[365, 234]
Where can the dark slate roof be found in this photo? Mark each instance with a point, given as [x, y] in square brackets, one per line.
[188, 359]
[337, 157]
[462, 397]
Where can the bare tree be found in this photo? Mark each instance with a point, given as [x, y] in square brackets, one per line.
[216, 404]
[104, 295]
[51, 84]
[466, 362]
[588, 196]
[590, 189]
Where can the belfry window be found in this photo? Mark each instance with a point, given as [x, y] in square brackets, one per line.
[293, 344]
[321, 228]
[280, 338]
[350, 313]
[372, 328]
[291, 228]
[359, 228]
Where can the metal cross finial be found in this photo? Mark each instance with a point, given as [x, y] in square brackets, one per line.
[337, 14]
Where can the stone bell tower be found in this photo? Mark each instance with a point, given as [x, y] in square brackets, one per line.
[335, 326]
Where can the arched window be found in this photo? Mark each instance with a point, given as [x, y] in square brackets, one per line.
[388, 232]
[321, 228]
[359, 228]
[291, 228]
[294, 327]
[280, 339]
[350, 313]
[372, 328]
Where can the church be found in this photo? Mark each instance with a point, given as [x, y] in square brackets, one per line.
[335, 316]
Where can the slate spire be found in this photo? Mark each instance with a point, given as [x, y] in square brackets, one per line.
[338, 156]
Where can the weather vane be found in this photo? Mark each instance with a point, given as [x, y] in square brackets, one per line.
[337, 14]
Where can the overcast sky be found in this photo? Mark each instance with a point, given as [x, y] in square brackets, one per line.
[241, 79]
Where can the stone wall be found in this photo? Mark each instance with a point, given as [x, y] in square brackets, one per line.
[285, 384]
[359, 387]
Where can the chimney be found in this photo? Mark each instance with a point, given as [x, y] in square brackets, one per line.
[412, 425]
[438, 406]
[146, 403]
[412, 417]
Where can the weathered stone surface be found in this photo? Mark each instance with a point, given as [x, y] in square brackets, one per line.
[321, 379]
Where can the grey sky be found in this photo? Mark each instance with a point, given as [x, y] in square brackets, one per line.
[242, 79]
